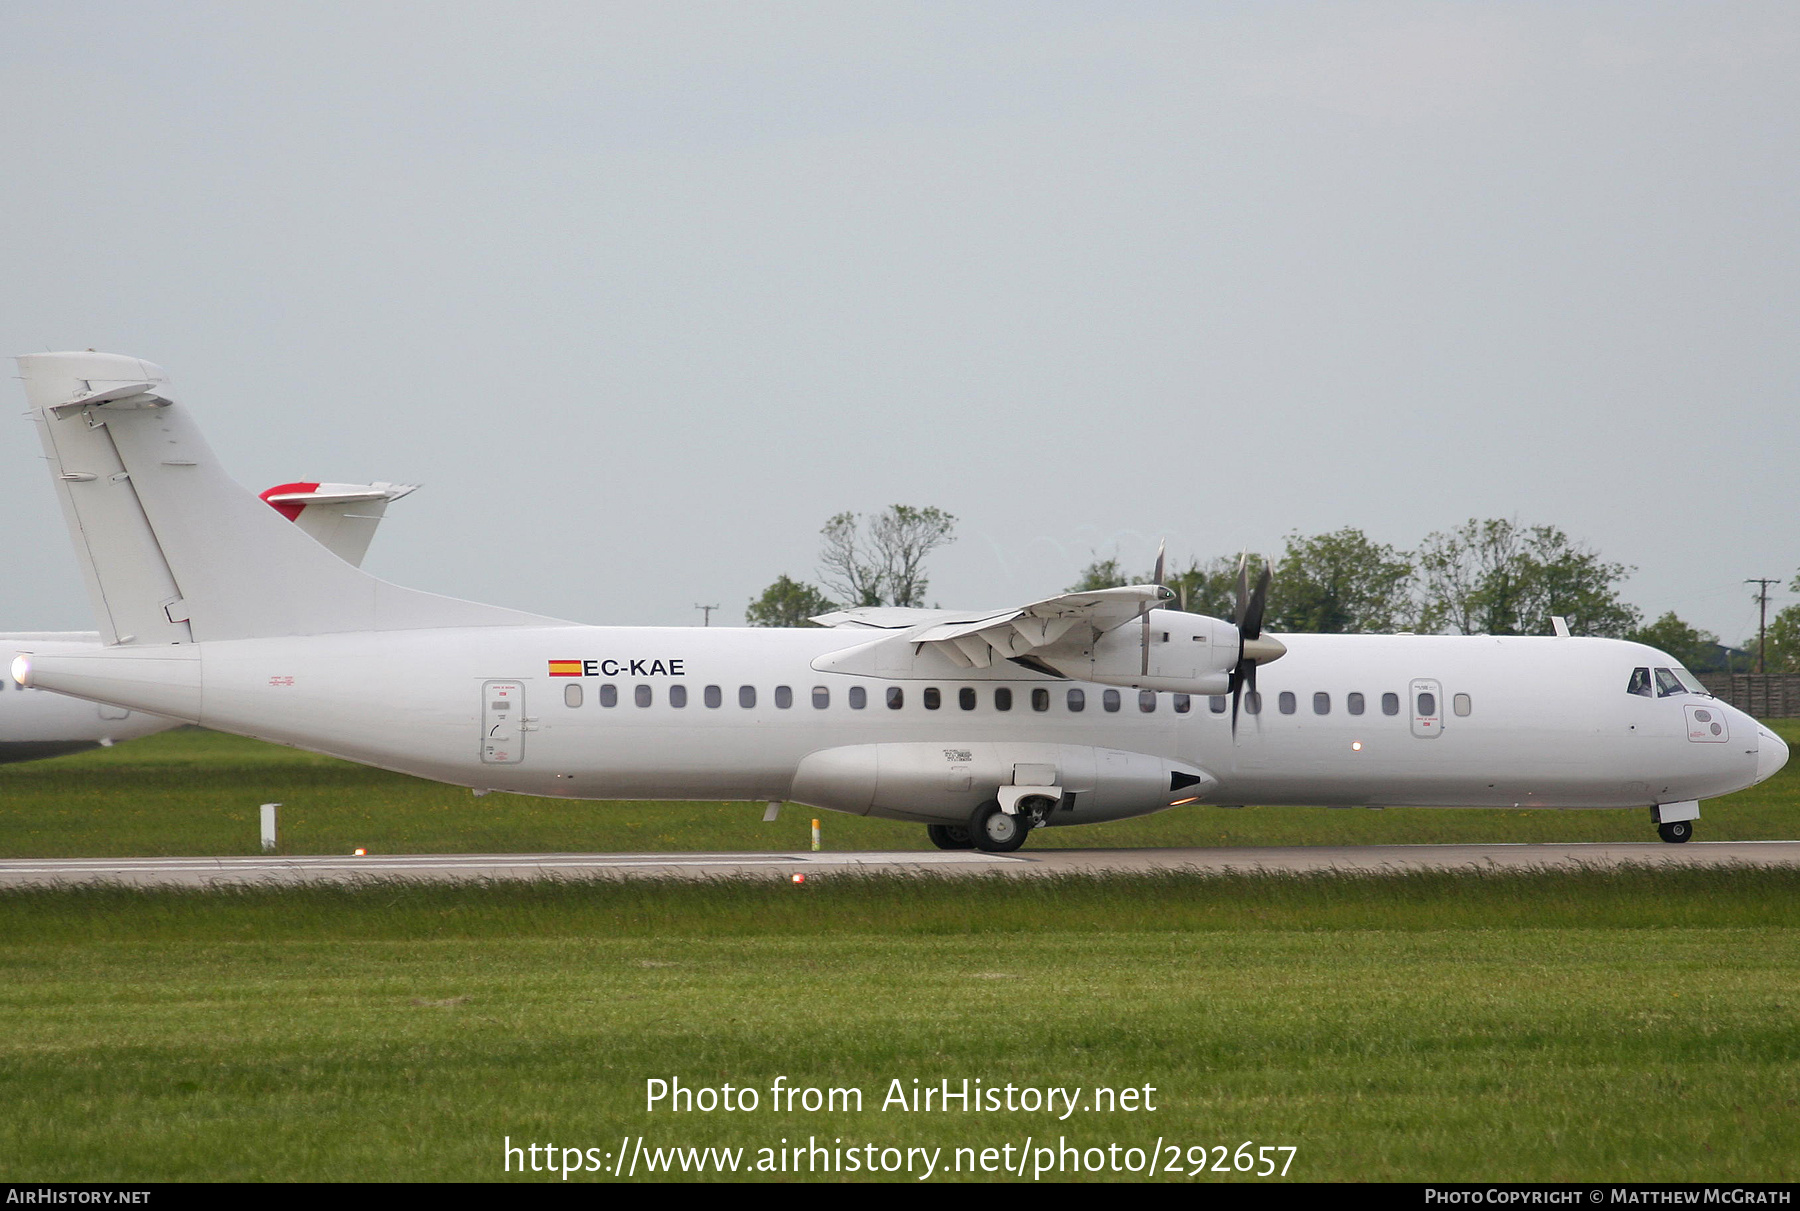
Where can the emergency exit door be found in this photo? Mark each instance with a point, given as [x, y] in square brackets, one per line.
[502, 722]
[1427, 708]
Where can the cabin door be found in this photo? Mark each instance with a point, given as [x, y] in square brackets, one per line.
[1427, 708]
[502, 722]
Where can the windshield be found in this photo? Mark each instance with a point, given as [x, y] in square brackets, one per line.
[1667, 684]
[1693, 683]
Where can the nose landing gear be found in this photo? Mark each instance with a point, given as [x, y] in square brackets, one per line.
[1675, 821]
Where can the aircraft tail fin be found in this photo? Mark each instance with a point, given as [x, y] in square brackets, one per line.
[173, 550]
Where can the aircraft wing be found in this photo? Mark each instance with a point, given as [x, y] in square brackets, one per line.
[977, 640]
[883, 618]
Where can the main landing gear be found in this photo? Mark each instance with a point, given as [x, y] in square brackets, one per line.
[1676, 831]
[950, 836]
[992, 829]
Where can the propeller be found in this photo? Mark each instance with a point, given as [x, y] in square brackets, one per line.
[1253, 649]
[1156, 578]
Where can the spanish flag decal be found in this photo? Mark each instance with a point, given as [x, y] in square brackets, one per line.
[565, 668]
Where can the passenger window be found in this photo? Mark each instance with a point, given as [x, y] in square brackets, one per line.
[1253, 703]
[572, 694]
[1461, 704]
[1390, 704]
[713, 696]
[1216, 704]
[1077, 702]
[746, 696]
[678, 695]
[821, 697]
[965, 698]
[1040, 699]
[1183, 704]
[642, 695]
[1427, 704]
[1287, 703]
[1147, 701]
[1640, 683]
[1353, 703]
[859, 697]
[934, 698]
[1003, 699]
[1668, 684]
[1321, 704]
[609, 695]
[896, 697]
[784, 697]
[1110, 700]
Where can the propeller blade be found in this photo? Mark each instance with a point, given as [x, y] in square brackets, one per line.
[1243, 588]
[1251, 626]
[1157, 579]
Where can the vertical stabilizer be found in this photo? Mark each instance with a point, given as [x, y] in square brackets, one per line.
[172, 548]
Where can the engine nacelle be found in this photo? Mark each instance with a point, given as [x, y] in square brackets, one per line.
[938, 783]
[1189, 654]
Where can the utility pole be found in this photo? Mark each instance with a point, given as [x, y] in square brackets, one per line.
[1762, 625]
[706, 615]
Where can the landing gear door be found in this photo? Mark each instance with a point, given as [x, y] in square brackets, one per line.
[1427, 708]
[502, 722]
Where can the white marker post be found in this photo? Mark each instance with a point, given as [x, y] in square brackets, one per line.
[268, 826]
[815, 836]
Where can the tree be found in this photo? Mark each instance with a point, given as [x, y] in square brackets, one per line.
[1211, 587]
[1496, 577]
[1783, 655]
[1338, 582]
[1695, 649]
[1202, 588]
[881, 560]
[1101, 574]
[788, 603]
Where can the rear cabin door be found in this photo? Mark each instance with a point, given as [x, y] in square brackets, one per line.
[502, 722]
[1427, 708]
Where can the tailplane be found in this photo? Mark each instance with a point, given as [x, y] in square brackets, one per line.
[174, 550]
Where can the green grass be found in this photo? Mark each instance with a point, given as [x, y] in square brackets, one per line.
[1581, 1026]
[195, 792]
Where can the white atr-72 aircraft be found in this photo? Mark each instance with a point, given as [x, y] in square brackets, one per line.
[37, 723]
[979, 724]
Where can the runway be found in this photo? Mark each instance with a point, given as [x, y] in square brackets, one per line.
[273, 870]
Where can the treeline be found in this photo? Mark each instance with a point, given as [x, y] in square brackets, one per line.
[1490, 576]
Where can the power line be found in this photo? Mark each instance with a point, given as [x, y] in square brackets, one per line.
[1762, 625]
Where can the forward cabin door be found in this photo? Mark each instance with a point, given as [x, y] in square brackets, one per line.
[1427, 708]
[502, 722]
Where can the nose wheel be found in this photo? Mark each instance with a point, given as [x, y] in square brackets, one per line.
[1676, 831]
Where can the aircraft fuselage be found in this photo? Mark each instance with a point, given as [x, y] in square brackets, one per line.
[718, 713]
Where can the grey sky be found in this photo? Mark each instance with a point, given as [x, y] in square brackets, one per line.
[642, 293]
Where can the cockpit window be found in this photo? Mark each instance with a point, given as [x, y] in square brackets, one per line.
[1668, 684]
[1640, 683]
[1693, 683]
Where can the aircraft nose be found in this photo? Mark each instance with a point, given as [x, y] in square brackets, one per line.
[1771, 753]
